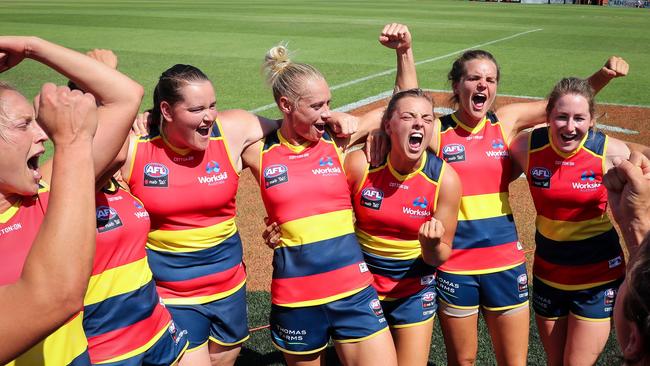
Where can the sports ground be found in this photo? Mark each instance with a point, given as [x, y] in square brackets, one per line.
[535, 45]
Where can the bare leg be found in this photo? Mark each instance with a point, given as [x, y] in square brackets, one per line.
[585, 341]
[223, 355]
[378, 350]
[196, 357]
[314, 359]
[413, 343]
[552, 333]
[461, 338]
[509, 333]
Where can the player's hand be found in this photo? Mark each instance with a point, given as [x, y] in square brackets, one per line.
[377, 146]
[13, 50]
[107, 57]
[395, 36]
[615, 67]
[342, 124]
[628, 185]
[430, 233]
[141, 124]
[66, 116]
[271, 233]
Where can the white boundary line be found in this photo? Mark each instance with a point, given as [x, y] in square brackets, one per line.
[390, 71]
[443, 110]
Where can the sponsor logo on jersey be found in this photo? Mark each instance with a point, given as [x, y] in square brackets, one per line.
[363, 267]
[420, 203]
[326, 167]
[610, 296]
[156, 175]
[498, 150]
[275, 174]
[215, 177]
[453, 153]
[11, 228]
[137, 205]
[375, 306]
[428, 280]
[587, 182]
[522, 282]
[615, 262]
[428, 300]
[107, 219]
[540, 177]
[371, 198]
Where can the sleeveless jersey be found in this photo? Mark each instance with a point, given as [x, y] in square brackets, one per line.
[195, 251]
[486, 238]
[18, 228]
[305, 191]
[123, 316]
[390, 208]
[577, 246]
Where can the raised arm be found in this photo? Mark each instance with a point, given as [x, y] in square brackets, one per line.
[55, 275]
[397, 36]
[436, 235]
[117, 95]
[517, 117]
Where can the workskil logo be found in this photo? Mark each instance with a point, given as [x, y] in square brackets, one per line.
[371, 198]
[588, 182]
[420, 203]
[326, 167]
[453, 153]
[275, 174]
[156, 175]
[498, 149]
[214, 176]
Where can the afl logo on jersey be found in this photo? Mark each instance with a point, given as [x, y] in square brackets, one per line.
[156, 175]
[428, 300]
[522, 282]
[540, 177]
[371, 198]
[453, 152]
[610, 296]
[107, 219]
[275, 174]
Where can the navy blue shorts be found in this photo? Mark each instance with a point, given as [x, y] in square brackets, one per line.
[595, 304]
[307, 330]
[413, 310]
[223, 321]
[496, 291]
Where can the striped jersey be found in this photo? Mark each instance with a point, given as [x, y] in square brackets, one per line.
[390, 208]
[486, 239]
[18, 228]
[305, 191]
[195, 251]
[123, 315]
[577, 246]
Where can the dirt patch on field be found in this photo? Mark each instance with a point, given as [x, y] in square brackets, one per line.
[251, 211]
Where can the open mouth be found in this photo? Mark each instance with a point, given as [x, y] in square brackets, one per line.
[479, 100]
[415, 140]
[32, 164]
[320, 127]
[204, 130]
[568, 137]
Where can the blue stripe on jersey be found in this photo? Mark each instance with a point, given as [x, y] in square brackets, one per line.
[596, 249]
[81, 360]
[484, 233]
[181, 266]
[109, 315]
[397, 269]
[316, 258]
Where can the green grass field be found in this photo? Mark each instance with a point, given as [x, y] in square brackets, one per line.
[535, 45]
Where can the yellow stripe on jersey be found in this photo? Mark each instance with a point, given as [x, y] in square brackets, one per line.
[118, 281]
[325, 300]
[191, 240]
[484, 206]
[395, 249]
[319, 227]
[558, 230]
[487, 270]
[64, 345]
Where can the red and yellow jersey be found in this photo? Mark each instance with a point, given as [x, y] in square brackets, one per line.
[390, 208]
[195, 251]
[18, 228]
[577, 246]
[486, 239]
[305, 191]
[123, 316]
